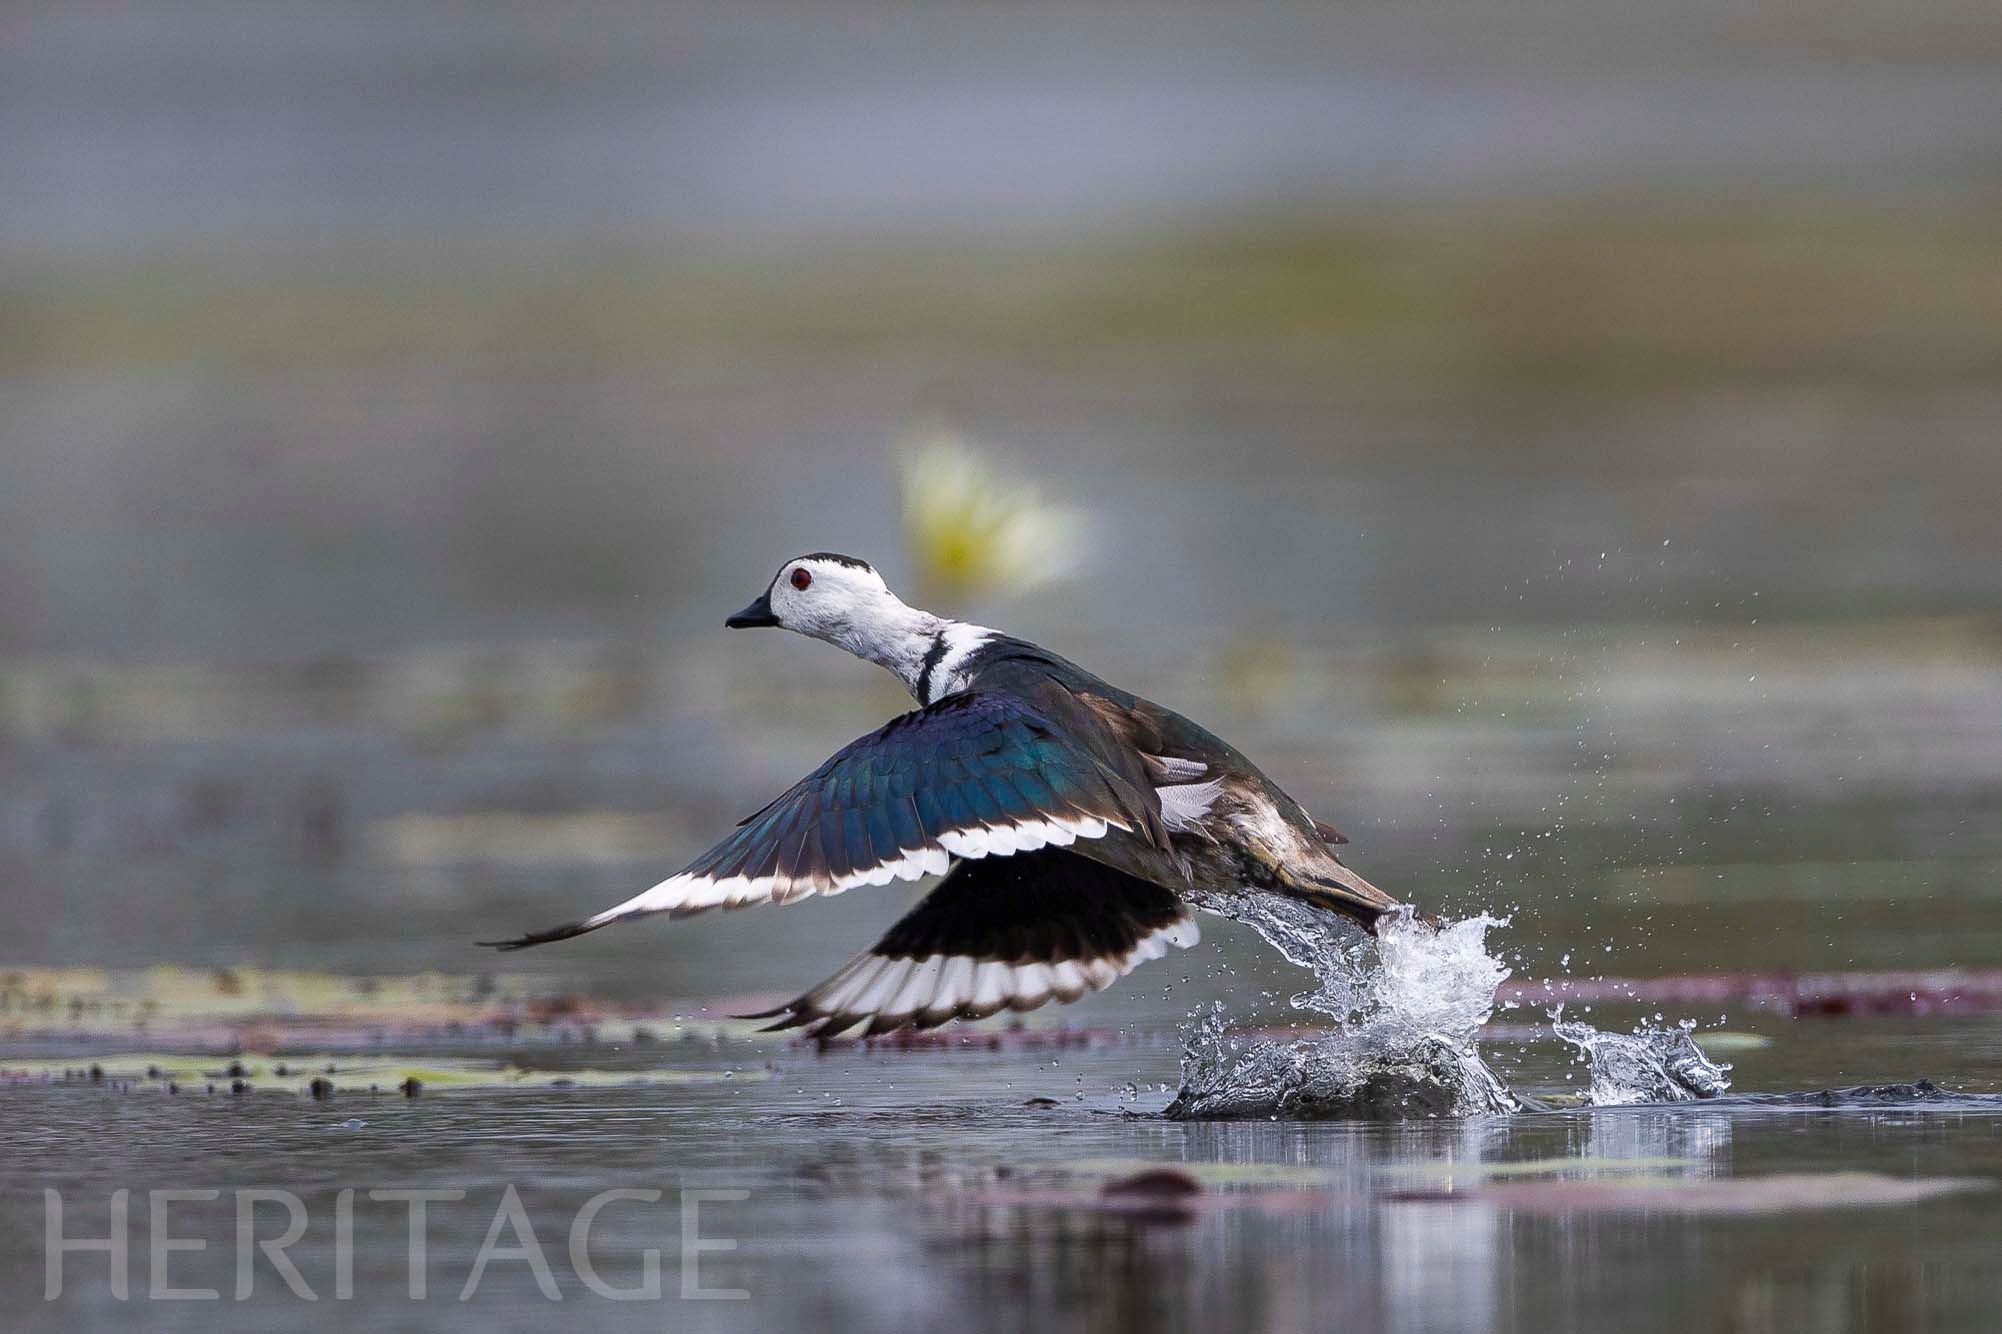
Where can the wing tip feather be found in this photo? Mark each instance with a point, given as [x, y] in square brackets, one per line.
[543, 937]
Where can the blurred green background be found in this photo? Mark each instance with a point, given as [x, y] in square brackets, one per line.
[1561, 441]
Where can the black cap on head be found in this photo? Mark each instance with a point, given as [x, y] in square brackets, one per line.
[836, 558]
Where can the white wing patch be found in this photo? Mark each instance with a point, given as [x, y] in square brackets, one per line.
[1184, 805]
[1184, 801]
[924, 993]
[690, 893]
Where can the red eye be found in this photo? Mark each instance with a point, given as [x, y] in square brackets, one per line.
[800, 579]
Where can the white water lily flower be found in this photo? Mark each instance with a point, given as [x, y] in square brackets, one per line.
[971, 530]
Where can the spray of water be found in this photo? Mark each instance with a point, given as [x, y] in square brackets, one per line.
[1406, 1010]
[1650, 1064]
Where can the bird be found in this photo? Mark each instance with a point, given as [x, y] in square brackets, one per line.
[1075, 824]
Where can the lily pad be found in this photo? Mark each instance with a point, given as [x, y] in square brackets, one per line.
[1729, 1040]
[262, 1073]
[1776, 1194]
[1207, 1174]
[1546, 1167]
[226, 1010]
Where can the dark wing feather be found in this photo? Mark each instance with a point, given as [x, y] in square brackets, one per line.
[973, 775]
[1004, 933]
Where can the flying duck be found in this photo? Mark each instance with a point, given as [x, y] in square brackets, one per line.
[1074, 822]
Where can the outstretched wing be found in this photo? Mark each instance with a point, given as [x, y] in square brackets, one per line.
[1012, 933]
[973, 775]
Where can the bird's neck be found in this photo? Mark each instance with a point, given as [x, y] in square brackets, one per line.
[926, 652]
[895, 636]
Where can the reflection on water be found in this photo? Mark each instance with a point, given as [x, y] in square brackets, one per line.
[1701, 1145]
[1440, 1266]
[902, 1188]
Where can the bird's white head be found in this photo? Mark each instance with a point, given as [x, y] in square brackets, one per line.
[844, 601]
[833, 597]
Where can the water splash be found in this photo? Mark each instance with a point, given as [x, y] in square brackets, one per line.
[1404, 1042]
[1407, 1008]
[1650, 1064]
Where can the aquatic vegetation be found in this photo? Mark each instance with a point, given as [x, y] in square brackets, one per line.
[231, 1010]
[1775, 1194]
[1210, 1175]
[325, 1075]
[1827, 995]
[1180, 1192]
[1580, 1166]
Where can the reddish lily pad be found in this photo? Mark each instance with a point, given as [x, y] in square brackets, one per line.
[1776, 1194]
